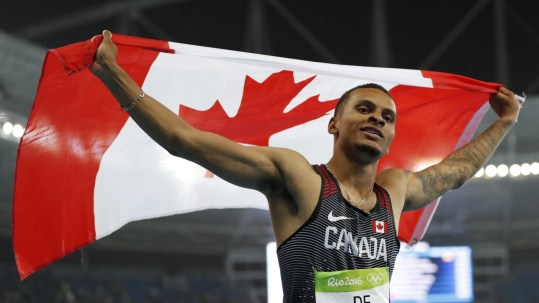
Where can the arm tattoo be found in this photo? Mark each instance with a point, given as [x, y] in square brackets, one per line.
[463, 163]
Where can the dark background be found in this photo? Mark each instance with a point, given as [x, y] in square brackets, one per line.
[492, 40]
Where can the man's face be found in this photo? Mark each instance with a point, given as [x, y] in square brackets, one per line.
[367, 121]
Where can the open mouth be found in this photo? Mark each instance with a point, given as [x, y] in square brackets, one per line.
[372, 130]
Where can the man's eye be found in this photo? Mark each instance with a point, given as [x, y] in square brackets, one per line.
[388, 118]
[362, 109]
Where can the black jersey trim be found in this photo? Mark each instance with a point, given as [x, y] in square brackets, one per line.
[315, 211]
[384, 192]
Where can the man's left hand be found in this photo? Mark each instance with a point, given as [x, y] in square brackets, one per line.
[505, 104]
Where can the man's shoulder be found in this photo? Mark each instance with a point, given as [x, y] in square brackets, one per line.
[392, 178]
[391, 173]
[395, 181]
[290, 163]
[284, 152]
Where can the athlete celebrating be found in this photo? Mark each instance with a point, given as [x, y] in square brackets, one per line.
[335, 224]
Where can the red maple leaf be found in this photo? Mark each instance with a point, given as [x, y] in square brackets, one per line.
[261, 113]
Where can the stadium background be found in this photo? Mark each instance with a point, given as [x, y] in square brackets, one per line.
[219, 255]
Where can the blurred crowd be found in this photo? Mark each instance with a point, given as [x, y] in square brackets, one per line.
[118, 285]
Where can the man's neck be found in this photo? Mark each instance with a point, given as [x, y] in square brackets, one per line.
[353, 175]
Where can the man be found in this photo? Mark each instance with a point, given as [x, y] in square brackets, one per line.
[335, 224]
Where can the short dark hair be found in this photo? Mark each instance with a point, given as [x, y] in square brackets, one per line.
[346, 95]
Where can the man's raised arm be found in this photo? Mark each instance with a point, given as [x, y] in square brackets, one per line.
[461, 165]
[251, 167]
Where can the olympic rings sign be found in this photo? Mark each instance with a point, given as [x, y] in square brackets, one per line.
[375, 278]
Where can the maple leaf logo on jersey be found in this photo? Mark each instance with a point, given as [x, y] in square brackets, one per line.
[379, 227]
[261, 113]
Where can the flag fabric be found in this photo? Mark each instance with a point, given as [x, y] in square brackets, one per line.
[84, 168]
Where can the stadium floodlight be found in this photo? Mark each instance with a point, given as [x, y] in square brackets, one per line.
[525, 169]
[515, 170]
[7, 128]
[535, 168]
[480, 173]
[18, 131]
[505, 170]
[490, 171]
[502, 170]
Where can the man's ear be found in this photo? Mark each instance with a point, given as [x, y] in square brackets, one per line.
[332, 127]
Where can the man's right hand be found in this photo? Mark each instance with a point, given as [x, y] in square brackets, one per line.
[284, 176]
[105, 56]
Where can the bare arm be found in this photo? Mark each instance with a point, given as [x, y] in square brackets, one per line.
[251, 167]
[461, 165]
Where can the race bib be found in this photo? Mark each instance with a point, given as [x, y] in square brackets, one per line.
[353, 286]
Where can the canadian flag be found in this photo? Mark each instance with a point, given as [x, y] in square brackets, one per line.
[379, 227]
[85, 169]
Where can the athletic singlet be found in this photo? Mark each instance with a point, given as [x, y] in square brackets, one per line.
[341, 253]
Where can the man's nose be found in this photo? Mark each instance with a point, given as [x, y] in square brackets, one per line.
[375, 120]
